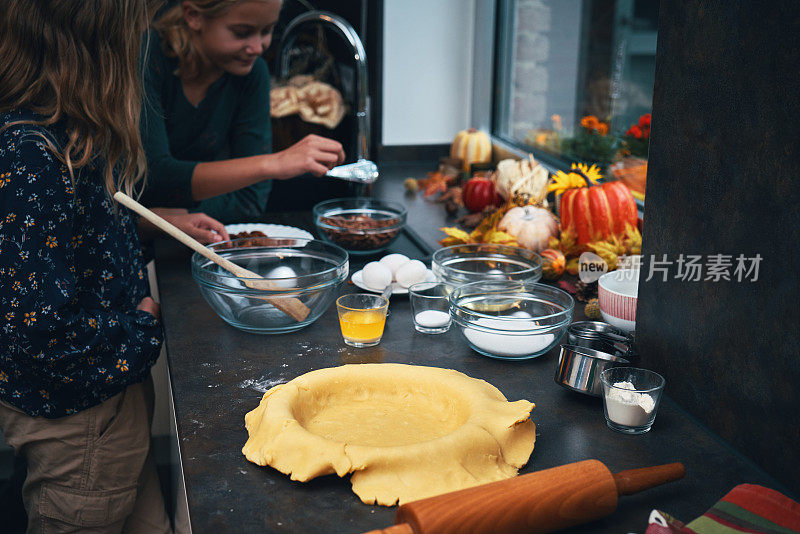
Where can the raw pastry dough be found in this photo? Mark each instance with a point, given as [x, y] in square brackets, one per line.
[405, 432]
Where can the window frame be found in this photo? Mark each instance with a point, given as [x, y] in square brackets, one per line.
[493, 31]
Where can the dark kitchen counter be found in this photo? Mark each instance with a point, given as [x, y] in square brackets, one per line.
[219, 373]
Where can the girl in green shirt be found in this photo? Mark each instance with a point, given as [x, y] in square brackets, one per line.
[205, 121]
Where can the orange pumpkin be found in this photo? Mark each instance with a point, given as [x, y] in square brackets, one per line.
[596, 212]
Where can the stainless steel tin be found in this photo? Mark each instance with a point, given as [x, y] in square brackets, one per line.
[599, 336]
[595, 327]
[579, 368]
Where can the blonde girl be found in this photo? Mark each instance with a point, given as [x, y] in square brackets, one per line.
[80, 332]
[206, 126]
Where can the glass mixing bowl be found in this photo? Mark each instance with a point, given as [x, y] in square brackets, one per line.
[462, 264]
[305, 269]
[511, 320]
[360, 225]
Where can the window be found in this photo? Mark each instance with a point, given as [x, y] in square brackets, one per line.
[574, 78]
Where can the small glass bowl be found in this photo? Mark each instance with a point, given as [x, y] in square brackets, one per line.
[462, 264]
[360, 225]
[430, 309]
[630, 398]
[511, 320]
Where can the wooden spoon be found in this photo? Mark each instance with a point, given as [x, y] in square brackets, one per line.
[289, 305]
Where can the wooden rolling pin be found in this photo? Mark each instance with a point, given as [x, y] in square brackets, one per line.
[545, 501]
[289, 305]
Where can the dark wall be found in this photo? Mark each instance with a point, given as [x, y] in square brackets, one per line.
[723, 179]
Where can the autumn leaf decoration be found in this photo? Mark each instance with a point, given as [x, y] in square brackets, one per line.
[485, 232]
[610, 249]
[436, 182]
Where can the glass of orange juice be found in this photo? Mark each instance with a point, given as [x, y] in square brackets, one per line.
[361, 318]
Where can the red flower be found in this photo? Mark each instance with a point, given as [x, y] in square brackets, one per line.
[634, 131]
[644, 121]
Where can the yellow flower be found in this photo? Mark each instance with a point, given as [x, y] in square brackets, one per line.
[3, 377]
[592, 172]
[4, 178]
[575, 179]
[30, 318]
[51, 242]
[122, 365]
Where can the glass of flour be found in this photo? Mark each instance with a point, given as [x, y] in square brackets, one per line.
[630, 398]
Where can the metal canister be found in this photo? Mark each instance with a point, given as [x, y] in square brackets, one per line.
[602, 337]
[579, 368]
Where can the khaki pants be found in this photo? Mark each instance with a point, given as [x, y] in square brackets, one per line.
[92, 471]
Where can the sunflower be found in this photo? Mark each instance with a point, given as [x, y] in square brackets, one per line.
[580, 175]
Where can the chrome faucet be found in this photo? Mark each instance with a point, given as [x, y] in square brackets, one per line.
[363, 170]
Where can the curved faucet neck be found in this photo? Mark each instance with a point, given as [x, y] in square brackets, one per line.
[345, 30]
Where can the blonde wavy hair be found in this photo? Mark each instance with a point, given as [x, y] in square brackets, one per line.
[176, 37]
[76, 61]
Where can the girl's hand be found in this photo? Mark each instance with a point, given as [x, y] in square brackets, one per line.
[199, 225]
[313, 154]
[150, 306]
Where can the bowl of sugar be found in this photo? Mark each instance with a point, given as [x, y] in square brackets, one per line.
[510, 320]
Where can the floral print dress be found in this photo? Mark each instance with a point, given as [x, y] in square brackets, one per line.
[71, 276]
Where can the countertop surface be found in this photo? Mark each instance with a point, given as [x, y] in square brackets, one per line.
[219, 373]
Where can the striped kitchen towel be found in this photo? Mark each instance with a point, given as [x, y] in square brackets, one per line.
[747, 508]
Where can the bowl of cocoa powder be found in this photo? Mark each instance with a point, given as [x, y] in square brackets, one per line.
[359, 225]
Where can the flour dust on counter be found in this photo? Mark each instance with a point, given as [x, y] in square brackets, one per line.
[263, 383]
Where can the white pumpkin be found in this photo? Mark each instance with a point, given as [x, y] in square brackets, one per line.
[531, 226]
[522, 181]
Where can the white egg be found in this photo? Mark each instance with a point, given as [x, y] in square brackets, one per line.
[393, 262]
[284, 276]
[411, 273]
[376, 275]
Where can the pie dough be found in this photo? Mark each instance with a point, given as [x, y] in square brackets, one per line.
[405, 432]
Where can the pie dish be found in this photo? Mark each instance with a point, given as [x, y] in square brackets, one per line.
[405, 432]
[271, 230]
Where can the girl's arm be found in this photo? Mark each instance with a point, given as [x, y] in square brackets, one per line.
[313, 154]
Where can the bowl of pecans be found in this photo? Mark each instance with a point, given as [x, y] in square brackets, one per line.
[359, 225]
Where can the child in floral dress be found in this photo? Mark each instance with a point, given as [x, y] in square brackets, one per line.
[80, 332]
